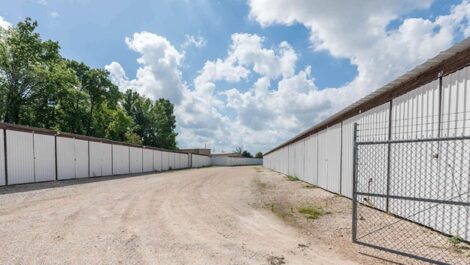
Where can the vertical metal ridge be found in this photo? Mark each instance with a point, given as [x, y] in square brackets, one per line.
[5, 154]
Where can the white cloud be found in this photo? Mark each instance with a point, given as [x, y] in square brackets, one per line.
[159, 74]
[54, 14]
[196, 41]
[4, 24]
[282, 100]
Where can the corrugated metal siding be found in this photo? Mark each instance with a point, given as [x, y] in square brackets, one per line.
[311, 160]
[415, 115]
[65, 158]
[165, 159]
[135, 159]
[300, 159]
[148, 160]
[323, 159]
[44, 157]
[120, 159]
[455, 122]
[100, 159]
[334, 158]
[157, 160]
[2, 159]
[107, 159]
[81, 159]
[20, 162]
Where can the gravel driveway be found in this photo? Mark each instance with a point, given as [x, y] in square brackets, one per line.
[198, 216]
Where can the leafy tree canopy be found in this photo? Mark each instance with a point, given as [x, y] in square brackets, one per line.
[40, 88]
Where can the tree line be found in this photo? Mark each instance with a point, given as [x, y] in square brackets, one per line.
[40, 88]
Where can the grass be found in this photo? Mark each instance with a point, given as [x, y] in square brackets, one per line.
[455, 240]
[292, 178]
[310, 186]
[312, 212]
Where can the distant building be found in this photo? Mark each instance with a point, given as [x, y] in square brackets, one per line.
[198, 151]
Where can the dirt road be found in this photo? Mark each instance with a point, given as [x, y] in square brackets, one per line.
[199, 216]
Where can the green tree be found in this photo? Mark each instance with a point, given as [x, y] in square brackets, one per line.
[259, 155]
[165, 124]
[32, 75]
[247, 154]
[100, 90]
[38, 87]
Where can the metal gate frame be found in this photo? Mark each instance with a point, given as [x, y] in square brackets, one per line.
[387, 197]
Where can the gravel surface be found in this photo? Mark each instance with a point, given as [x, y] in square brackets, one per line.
[201, 216]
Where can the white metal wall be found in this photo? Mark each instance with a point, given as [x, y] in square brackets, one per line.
[135, 154]
[157, 160]
[81, 159]
[414, 115]
[120, 159]
[65, 158]
[32, 158]
[235, 161]
[2, 159]
[100, 159]
[44, 157]
[72, 158]
[165, 161]
[20, 162]
[147, 160]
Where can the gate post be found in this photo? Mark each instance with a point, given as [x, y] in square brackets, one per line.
[354, 198]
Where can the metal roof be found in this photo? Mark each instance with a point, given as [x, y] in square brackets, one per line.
[417, 71]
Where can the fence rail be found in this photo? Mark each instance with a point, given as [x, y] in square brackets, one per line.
[399, 184]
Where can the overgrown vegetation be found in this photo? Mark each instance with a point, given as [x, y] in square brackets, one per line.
[292, 178]
[312, 212]
[40, 88]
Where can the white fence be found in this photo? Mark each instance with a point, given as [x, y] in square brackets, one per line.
[326, 157]
[29, 155]
[235, 161]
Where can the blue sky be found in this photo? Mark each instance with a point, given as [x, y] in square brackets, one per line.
[95, 31]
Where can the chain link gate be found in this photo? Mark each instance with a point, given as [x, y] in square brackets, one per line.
[411, 198]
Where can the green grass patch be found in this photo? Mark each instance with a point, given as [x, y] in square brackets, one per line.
[312, 212]
[455, 240]
[292, 178]
[310, 186]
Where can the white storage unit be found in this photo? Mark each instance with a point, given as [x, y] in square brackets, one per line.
[44, 157]
[147, 160]
[184, 160]
[173, 158]
[415, 115]
[323, 159]
[135, 159]
[311, 160]
[121, 161]
[333, 153]
[165, 161]
[2, 159]
[20, 157]
[100, 159]
[157, 160]
[72, 158]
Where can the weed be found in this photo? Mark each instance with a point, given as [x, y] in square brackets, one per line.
[310, 186]
[312, 213]
[292, 178]
[455, 240]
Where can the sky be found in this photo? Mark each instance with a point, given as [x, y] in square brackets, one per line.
[248, 73]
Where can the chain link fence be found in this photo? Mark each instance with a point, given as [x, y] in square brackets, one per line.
[411, 198]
